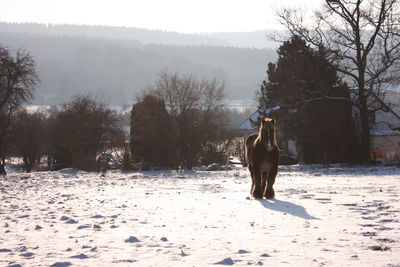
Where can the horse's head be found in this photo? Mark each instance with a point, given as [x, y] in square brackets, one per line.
[267, 133]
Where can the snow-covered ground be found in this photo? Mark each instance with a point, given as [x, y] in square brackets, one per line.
[332, 217]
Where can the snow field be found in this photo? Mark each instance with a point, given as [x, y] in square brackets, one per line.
[332, 217]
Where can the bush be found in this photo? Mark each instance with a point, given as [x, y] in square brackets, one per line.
[85, 128]
[127, 162]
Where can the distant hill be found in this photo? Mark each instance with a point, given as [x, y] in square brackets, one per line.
[115, 62]
[255, 39]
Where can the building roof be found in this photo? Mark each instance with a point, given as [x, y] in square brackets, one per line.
[387, 122]
[246, 125]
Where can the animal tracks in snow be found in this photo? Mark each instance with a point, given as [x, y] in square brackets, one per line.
[379, 216]
[319, 217]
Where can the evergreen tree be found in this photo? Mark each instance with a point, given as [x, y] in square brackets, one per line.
[150, 131]
[312, 104]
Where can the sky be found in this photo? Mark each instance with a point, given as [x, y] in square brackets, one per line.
[184, 16]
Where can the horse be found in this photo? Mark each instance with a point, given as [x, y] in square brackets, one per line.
[262, 157]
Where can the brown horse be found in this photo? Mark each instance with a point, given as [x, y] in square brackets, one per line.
[262, 157]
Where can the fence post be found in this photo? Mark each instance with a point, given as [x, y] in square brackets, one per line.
[227, 163]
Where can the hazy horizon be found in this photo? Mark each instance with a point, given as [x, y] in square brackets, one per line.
[51, 24]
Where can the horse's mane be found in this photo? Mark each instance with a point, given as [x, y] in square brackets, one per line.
[260, 137]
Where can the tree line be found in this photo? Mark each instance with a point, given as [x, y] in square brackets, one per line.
[179, 122]
[72, 135]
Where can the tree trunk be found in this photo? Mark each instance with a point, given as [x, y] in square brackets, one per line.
[365, 131]
[29, 167]
[26, 163]
[2, 156]
[189, 163]
[31, 162]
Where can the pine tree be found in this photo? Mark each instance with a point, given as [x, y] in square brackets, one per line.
[312, 104]
[150, 132]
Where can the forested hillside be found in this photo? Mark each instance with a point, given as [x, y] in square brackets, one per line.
[79, 59]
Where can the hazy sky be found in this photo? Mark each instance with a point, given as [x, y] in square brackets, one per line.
[186, 16]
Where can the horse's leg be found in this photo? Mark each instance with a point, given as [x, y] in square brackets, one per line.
[269, 191]
[252, 180]
[263, 182]
[257, 193]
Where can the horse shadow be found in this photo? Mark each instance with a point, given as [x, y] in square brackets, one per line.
[286, 207]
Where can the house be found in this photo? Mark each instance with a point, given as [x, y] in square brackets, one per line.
[385, 132]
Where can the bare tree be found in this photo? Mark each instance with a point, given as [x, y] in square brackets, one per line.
[196, 113]
[18, 79]
[28, 136]
[85, 128]
[363, 41]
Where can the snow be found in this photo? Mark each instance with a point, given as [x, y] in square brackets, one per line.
[335, 217]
